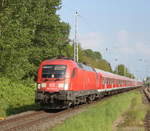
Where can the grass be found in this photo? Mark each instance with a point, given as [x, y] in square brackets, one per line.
[135, 115]
[101, 117]
[15, 97]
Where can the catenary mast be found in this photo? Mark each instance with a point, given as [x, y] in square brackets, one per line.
[76, 57]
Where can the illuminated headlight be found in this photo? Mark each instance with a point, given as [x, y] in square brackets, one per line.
[43, 85]
[39, 86]
[66, 87]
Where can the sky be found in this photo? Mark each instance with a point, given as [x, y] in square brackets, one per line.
[119, 29]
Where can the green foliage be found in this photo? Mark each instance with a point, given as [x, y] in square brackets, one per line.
[122, 70]
[94, 59]
[15, 97]
[147, 80]
[92, 54]
[30, 31]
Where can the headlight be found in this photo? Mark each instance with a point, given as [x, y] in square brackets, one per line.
[66, 87]
[39, 86]
[43, 85]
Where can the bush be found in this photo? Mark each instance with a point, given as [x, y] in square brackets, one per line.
[15, 96]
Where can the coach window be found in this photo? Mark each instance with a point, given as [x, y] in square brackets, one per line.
[104, 81]
[112, 82]
[107, 81]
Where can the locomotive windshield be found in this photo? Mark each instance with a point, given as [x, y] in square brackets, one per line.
[53, 71]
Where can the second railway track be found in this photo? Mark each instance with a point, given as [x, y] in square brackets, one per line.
[147, 118]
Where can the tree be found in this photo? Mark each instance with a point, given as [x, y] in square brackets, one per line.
[94, 59]
[30, 31]
[122, 70]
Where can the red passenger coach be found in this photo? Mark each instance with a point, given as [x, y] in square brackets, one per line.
[63, 83]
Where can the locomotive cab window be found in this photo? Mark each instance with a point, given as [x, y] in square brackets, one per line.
[53, 71]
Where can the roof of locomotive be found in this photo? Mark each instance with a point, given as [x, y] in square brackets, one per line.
[59, 61]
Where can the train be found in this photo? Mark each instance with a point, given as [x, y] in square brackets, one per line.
[63, 83]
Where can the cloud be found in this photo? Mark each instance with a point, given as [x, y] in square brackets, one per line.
[143, 49]
[125, 46]
[131, 44]
[92, 40]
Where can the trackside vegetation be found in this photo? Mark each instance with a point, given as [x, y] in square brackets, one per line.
[15, 97]
[102, 116]
[134, 116]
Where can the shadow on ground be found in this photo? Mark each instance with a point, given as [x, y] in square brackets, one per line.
[11, 110]
[33, 107]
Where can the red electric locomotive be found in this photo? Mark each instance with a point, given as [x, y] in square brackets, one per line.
[63, 83]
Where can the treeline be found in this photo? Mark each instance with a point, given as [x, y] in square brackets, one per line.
[123, 70]
[30, 32]
[95, 59]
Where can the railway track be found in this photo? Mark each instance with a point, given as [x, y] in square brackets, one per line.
[147, 118]
[24, 121]
[147, 93]
[38, 120]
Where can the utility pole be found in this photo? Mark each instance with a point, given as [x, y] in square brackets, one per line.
[76, 57]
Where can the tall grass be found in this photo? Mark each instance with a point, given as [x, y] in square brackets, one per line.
[135, 115]
[100, 117]
[15, 97]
